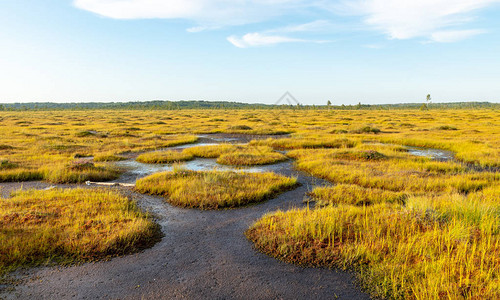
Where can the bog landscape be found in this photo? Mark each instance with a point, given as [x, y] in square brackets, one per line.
[255, 203]
[250, 149]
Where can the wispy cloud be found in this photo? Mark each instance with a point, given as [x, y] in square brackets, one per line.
[400, 19]
[258, 40]
[205, 12]
[431, 20]
[314, 26]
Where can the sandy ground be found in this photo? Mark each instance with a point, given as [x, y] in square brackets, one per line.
[203, 255]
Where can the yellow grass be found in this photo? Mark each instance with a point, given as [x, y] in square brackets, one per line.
[445, 247]
[162, 157]
[430, 231]
[108, 157]
[214, 189]
[355, 195]
[237, 155]
[38, 227]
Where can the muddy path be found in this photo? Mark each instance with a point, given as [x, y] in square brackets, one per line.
[203, 255]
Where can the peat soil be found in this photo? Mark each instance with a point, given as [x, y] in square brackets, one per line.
[203, 255]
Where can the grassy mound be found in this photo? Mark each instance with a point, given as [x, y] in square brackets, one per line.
[67, 225]
[211, 151]
[214, 189]
[355, 195]
[250, 159]
[108, 157]
[162, 157]
[79, 172]
[436, 247]
[306, 142]
[237, 155]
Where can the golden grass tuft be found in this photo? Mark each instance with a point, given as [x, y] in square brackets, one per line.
[214, 189]
[238, 155]
[438, 247]
[162, 157]
[210, 151]
[79, 172]
[250, 159]
[108, 158]
[59, 225]
[355, 195]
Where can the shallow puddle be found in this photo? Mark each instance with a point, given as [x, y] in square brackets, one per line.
[435, 154]
[135, 170]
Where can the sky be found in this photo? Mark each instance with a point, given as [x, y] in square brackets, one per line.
[368, 51]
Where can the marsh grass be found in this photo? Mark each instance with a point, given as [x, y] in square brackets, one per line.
[392, 171]
[306, 142]
[242, 158]
[437, 247]
[6, 165]
[79, 172]
[19, 175]
[161, 157]
[237, 155]
[210, 151]
[355, 195]
[442, 243]
[214, 189]
[108, 158]
[39, 227]
[366, 129]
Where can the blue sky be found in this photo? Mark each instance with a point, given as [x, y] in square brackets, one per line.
[369, 51]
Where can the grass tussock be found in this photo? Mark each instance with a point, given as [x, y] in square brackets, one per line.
[306, 142]
[20, 175]
[251, 159]
[162, 157]
[366, 129]
[108, 158]
[434, 248]
[355, 195]
[79, 172]
[210, 151]
[237, 155]
[7, 165]
[58, 225]
[214, 189]
[392, 171]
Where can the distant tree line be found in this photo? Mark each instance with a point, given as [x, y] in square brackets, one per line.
[177, 105]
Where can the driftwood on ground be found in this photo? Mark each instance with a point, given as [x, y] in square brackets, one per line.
[110, 184]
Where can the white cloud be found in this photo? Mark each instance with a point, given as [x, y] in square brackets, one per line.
[435, 20]
[450, 36]
[405, 19]
[315, 26]
[201, 28]
[257, 40]
[212, 12]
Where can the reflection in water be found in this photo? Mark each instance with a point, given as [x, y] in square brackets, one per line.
[436, 154]
[135, 170]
